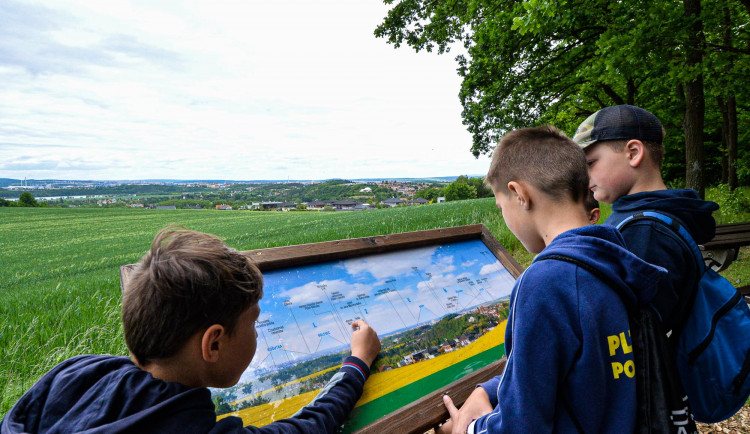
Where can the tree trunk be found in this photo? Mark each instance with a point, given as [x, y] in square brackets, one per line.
[695, 102]
[722, 104]
[732, 141]
[631, 92]
[730, 105]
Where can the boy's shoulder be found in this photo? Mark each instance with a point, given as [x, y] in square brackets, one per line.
[595, 255]
[587, 247]
[683, 205]
[71, 394]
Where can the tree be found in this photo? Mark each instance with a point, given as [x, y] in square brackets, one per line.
[459, 191]
[222, 406]
[4, 202]
[542, 61]
[429, 193]
[26, 199]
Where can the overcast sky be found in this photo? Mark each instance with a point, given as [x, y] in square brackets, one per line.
[272, 89]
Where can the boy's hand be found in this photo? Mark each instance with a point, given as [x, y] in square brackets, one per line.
[365, 342]
[478, 404]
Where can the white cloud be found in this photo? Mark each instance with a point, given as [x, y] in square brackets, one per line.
[234, 90]
[491, 268]
[391, 264]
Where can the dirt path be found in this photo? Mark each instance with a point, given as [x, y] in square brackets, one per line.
[739, 423]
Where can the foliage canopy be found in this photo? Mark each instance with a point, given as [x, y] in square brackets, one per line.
[525, 63]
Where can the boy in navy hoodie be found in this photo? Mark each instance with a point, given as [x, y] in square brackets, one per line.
[570, 363]
[188, 315]
[624, 151]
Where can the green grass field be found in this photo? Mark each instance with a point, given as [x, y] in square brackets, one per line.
[59, 268]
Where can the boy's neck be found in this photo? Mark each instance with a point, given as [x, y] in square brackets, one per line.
[176, 369]
[649, 180]
[552, 219]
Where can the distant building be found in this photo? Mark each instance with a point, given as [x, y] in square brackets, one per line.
[224, 207]
[344, 204]
[366, 190]
[392, 202]
[419, 201]
[166, 207]
[441, 199]
[316, 204]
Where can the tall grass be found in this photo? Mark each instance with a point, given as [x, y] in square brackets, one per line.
[59, 268]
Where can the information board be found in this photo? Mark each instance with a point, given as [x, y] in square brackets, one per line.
[438, 300]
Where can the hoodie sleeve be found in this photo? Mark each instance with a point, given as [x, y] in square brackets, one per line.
[546, 336]
[325, 414]
[490, 387]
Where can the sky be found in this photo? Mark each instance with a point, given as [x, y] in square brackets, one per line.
[308, 309]
[240, 90]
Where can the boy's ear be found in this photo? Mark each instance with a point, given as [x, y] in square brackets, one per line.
[594, 215]
[212, 342]
[520, 194]
[635, 151]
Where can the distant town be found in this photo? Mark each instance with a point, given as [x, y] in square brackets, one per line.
[328, 195]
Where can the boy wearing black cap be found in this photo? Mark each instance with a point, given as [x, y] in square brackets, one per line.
[624, 151]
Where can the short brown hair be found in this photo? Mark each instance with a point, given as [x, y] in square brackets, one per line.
[187, 282]
[655, 150]
[544, 157]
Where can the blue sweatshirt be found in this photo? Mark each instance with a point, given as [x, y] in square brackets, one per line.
[107, 394]
[657, 244]
[568, 341]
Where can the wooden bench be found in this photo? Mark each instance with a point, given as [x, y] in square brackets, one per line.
[723, 249]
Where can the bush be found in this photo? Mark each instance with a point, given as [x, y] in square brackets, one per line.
[734, 206]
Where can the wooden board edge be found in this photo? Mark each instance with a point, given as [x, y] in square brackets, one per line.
[288, 256]
[501, 253]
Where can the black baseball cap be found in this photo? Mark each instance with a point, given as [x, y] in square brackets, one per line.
[619, 122]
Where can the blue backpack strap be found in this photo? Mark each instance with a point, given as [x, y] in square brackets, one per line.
[675, 226]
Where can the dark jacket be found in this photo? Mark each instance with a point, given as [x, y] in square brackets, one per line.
[107, 394]
[657, 244]
[568, 341]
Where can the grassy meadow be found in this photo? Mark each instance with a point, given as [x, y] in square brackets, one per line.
[59, 268]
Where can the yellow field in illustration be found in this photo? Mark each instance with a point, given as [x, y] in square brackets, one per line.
[382, 383]
[299, 380]
[272, 411]
[378, 385]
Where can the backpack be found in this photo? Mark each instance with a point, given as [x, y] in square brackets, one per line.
[713, 345]
[661, 403]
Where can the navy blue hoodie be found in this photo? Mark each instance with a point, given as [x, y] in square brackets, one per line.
[568, 340]
[657, 244]
[108, 394]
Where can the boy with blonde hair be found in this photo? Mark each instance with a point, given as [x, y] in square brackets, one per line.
[570, 364]
[188, 314]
